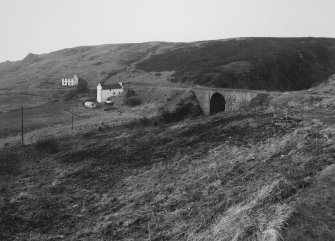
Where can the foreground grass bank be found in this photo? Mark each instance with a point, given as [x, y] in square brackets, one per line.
[250, 176]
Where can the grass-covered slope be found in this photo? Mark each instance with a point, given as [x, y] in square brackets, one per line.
[250, 176]
[92, 63]
[254, 63]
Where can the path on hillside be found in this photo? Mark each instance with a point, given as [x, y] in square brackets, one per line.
[198, 87]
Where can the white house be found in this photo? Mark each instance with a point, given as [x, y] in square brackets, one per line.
[106, 91]
[70, 80]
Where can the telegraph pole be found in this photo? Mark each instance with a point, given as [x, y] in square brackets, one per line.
[22, 126]
[72, 119]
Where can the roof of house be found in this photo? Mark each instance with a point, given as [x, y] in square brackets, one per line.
[68, 76]
[111, 86]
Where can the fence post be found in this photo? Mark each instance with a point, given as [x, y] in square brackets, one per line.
[72, 119]
[22, 143]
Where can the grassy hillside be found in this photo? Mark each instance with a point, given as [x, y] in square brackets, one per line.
[252, 63]
[250, 176]
[326, 87]
[92, 63]
[255, 63]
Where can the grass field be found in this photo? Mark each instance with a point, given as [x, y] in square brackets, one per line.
[34, 118]
[13, 100]
[55, 119]
[38, 115]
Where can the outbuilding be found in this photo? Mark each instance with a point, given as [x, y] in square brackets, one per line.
[90, 104]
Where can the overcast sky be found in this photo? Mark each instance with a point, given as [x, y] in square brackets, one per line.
[41, 26]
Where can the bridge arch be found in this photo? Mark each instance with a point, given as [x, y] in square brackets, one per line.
[217, 103]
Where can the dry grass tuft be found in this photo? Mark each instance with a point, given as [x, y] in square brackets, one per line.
[258, 218]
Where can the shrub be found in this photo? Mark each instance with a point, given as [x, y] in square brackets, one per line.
[155, 121]
[130, 93]
[82, 86]
[133, 101]
[181, 109]
[71, 94]
[181, 112]
[49, 145]
[9, 163]
[137, 123]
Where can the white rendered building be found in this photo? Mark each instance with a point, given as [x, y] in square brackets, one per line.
[106, 91]
[70, 80]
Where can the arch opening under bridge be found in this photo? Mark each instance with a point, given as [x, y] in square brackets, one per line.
[217, 103]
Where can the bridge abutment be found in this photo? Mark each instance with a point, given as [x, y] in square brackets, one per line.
[234, 99]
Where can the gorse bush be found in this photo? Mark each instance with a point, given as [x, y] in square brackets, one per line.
[49, 145]
[133, 101]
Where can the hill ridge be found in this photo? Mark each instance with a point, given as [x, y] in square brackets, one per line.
[268, 63]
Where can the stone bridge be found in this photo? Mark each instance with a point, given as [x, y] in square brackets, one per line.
[213, 100]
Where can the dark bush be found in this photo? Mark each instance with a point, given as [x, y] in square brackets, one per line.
[71, 94]
[155, 121]
[49, 145]
[9, 163]
[130, 93]
[82, 86]
[133, 101]
[184, 108]
[180, 113]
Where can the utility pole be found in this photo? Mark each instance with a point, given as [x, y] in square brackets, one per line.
[22, 125]
[72, 119]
